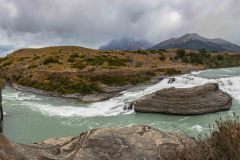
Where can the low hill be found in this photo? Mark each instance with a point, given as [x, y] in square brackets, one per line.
[70, 69]
[125, 44]
[194, 41]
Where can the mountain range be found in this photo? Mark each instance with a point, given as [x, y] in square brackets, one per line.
[194, 41]
[191, 41]
[126, 43]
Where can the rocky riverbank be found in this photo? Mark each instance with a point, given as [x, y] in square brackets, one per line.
[109, 92]
[131, 143]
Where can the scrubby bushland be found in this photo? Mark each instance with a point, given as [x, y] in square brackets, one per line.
[172, 72]
[63, 84]
[5, 62]
[162, 57]
[83, 70]
[216, 60]
[110, 61]
[222, 144]
[72, 57]
[51, 59]
[120, 80]
[79, 65]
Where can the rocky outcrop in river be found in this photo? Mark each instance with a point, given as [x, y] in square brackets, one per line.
[203, 99]
[129, 143]
[1, 109]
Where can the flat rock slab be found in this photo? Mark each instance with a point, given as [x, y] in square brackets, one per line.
[129, 143]
[203, 99]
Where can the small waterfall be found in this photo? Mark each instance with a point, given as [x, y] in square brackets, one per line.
[115, 106]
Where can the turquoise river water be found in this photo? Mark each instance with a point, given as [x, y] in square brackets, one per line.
[30, 118]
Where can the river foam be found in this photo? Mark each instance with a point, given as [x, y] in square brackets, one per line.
[114, 106]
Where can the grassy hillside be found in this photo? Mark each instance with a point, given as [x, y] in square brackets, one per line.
[70, 69]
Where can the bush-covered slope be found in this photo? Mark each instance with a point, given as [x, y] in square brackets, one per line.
[71, 69]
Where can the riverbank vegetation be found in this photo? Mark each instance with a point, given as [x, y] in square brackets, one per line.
[69, 69]
[2, 83]
[222, 144]
[208, 60]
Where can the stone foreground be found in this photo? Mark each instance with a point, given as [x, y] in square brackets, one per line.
[203, 99]
[129, 143]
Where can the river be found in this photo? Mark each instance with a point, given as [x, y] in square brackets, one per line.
[30, 118]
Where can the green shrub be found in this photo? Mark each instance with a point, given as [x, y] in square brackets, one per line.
[143, 52]
[111, 61]
[202, 51]
[172, 71]
[79, 65]
[139, 64]
[117, 61]
[95, 61]
[181, 53]
[2, 59]
[120, 80]
[50, 59]
[162, 57]
[32, 66]
[23, 58]
[72, 57]
[8, 63]
[36, 58]
[82, 56]
[154, 51]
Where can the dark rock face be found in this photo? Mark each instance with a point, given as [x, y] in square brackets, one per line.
[130, 143]
[1, 109]
[188, 101]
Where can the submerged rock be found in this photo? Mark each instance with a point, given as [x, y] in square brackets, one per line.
[185, 101]
[129, 143]
[171, 80]
[128, 106]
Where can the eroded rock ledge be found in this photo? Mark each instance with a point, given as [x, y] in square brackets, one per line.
[136, 142]
[203, 99]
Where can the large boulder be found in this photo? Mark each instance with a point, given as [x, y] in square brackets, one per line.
[203, 99]
[129, 143]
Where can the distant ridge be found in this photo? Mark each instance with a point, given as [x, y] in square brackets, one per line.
[126, 43]
[194, 41]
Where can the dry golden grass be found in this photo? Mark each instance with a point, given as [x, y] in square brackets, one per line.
[222, 144]
[71, 64]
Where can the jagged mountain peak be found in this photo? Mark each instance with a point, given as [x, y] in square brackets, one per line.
[194, 41]
[126, 43]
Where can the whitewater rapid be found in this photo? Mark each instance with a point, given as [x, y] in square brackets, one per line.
[114, 106]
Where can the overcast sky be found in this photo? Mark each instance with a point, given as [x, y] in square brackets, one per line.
[90, 23]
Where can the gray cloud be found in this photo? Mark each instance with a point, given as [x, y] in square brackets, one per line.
[90, 23]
